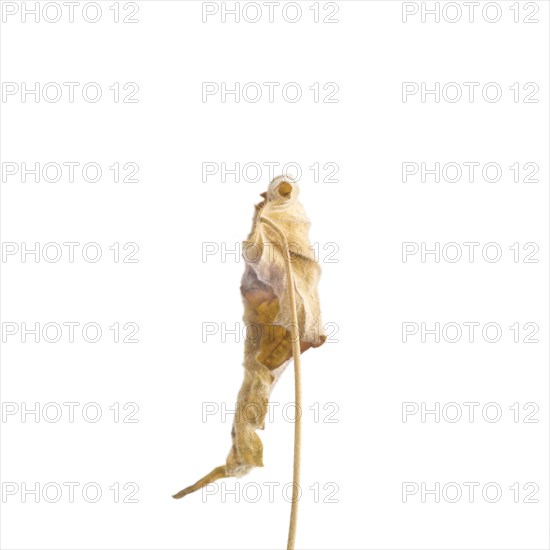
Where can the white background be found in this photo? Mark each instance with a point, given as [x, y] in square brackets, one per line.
[366, 290]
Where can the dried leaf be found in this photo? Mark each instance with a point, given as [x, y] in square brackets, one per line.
[268, 317]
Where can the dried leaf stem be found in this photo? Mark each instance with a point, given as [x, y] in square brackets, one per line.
[297, 386]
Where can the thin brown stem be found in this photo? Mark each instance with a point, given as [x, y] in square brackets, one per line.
[297, 387]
